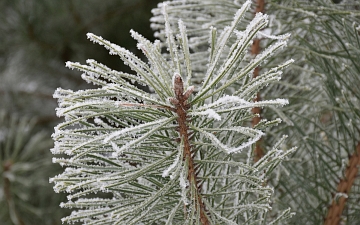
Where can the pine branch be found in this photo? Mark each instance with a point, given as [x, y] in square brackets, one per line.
[152, 152]
[343, 189]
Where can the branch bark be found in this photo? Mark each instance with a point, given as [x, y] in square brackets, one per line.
[255, 50]
[337, 207]
[181, 107]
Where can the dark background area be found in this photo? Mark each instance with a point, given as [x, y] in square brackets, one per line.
[39, 36]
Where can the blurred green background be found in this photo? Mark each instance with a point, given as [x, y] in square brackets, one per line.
[37, 37]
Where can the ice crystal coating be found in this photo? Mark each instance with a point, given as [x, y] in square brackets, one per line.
[123, 143]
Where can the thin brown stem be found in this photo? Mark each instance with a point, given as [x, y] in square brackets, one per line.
[255, 50]
[181, 106]
[338, 204]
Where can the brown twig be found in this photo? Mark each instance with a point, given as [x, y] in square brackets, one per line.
[181, 106]
[255, 50]
[338, 204]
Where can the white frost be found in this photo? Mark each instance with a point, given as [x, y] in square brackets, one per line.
[211, 114]
[172, 166]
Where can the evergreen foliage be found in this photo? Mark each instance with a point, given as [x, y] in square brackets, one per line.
[179, 154]
[323, 116]
[196, 96]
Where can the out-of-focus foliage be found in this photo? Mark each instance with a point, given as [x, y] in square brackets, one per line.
[25, 193]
